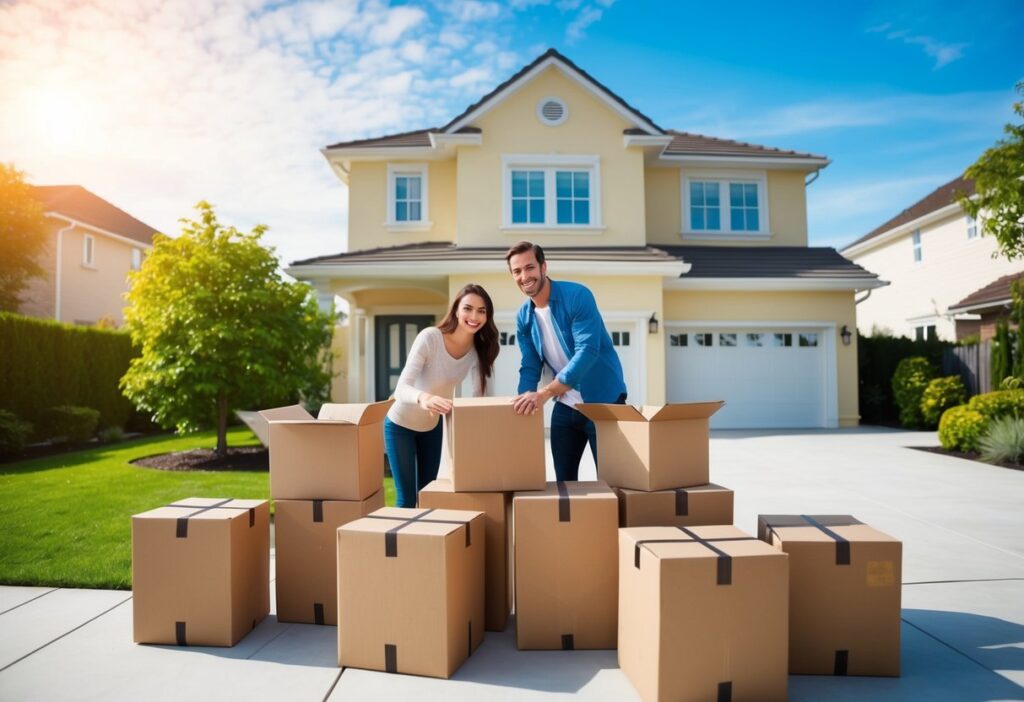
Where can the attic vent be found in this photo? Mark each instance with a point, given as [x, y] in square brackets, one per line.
[552, 111]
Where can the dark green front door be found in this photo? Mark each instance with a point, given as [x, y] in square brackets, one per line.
[393, 337]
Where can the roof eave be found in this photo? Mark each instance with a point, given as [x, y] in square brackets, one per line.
[990, 304]
[901, 230]
[796, 163]
[431, 268]
[794, 284]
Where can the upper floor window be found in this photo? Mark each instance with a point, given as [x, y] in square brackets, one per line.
[552, 192]
[721, 204]
[136, 259]
[407, 195]
[916, 240]
[972, 227]
[89, 250]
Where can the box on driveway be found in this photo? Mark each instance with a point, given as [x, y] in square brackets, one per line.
[690, 506]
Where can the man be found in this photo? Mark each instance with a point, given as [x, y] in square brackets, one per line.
[559, 325]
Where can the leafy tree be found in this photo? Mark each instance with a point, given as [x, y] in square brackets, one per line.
[1002, 356]
[219, 329]
[998, 176]
[22, 236]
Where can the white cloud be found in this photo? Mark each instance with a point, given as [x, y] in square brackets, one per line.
[944, 53]
[473, 76]
[398, 21]
[473, 10]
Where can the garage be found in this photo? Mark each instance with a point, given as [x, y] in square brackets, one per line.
[778, 376]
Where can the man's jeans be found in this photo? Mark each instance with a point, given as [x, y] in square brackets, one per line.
[570, 434]
[414, 457]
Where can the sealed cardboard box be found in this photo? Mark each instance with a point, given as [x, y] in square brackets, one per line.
[652, 448]
[565, 569]
[337, 456]
[200, 571]
[497, 509]
[844, 593]
[306, 542]
[411, 590]
[490, 448]
[702, 614]
[690, 506]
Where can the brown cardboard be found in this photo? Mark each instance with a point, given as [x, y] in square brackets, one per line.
[200, 572]
[690, 506]
[411, 590]
[651, 447]
[702, 621]
[497, 509]
[844, 594]
[305, 538]
[338, 456]
[565, 571]
[490, 448]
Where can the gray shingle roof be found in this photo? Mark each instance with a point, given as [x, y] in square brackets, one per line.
[446, 251]
[995, 293]
[76, 202]
[766, 262]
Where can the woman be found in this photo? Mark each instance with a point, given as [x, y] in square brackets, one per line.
[466, 341]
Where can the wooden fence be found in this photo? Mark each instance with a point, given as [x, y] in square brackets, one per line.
[973, 364]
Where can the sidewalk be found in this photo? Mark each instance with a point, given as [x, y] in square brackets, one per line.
[962, 525]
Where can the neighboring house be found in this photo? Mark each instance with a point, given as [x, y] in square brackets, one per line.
[933, 255]
[92, 246]
[695, 248]
[978, 313]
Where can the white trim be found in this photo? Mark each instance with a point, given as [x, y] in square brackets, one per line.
[549, 164]
[406, 169]
[994, 304]
[586, 83]
[726, 237]
[767, 162]
[136, 251]
[917, 247]
[85, 225]
[642, 140]
[432, 269]
[440, 141]
[724, 180]
[901, 230]
[558, 101]
[774, 284]
[57, 273]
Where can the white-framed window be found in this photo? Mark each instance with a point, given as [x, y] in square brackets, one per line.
[89, 250]
[718, 203]
[408, 196]
[925, 332]
[915, 240]
[972, 227]
[136, 259]
[551, 192]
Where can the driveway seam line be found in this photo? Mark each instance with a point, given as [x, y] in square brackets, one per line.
[333, 685]
[950, 646]
[43, 594]
[271, 640]
[977, 580]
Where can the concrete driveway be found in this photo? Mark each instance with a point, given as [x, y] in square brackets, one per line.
[962, 524]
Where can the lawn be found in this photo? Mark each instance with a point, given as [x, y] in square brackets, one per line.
[66, 520]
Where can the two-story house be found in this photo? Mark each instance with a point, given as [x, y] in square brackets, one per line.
[940, 268]
[695, 248]
[90, 249]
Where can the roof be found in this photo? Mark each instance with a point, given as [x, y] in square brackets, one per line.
[685, 143]
[994, 294]
[942, 196]
[447, 251]
[767, 262]
[75, 202]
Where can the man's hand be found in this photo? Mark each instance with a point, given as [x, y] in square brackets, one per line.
[433, 403]
[529, 402]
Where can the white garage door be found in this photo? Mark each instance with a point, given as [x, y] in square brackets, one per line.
[768, 377]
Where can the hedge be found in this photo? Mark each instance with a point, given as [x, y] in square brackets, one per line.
[45, 364]
[877, 358]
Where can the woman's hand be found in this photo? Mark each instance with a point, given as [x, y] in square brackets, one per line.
[433, 403]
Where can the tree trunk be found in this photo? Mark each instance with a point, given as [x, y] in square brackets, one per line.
[222, 425]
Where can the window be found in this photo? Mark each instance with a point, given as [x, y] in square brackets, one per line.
[506, 339]
[89, 250]
[808, 339]
[703, 338]
[726, 339]
[725, 204]
[925, 332]
[552, 192]
[407, 195]
[136, 259]
[972, 227]
[785, 339]
[678, 340]
[620, 338]
[916, 239]
[755, 339]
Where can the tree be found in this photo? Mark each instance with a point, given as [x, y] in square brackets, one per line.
[22, 236]
[219, 329]
[998, 176]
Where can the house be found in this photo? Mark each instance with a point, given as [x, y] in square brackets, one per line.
[935, 257]
[695, 248]
[978, 313]
[92, 246]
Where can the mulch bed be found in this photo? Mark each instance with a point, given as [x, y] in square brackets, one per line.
[241, 458]
[970, 456]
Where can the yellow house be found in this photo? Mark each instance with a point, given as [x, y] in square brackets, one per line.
[695, 248]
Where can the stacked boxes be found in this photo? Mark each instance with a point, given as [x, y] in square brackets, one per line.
[684, 506]
[702, 614]
[200, 571]
[845, 583]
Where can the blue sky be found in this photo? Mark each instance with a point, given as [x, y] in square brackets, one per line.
[155, 105]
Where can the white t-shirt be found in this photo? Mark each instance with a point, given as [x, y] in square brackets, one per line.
[553, 352]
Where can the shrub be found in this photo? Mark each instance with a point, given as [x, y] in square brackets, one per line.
[1001, 403]
[940, 395]
[1011, 382]
[1003, 441]
[908, 386]
[71, 424]
[877, 358]
[13, 433]
[1002, 353]
[110, 435]
[961, 428]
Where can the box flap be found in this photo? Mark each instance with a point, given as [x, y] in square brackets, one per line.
[608, 412]
[356, 413]
[682, 410]
[259, 423]
[500, 401]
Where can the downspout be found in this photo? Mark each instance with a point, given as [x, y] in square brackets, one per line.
[857, 302]
[814, 177]
[57, 275]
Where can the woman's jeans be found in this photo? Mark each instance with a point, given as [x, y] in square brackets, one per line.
[414, 457]
[570, 434]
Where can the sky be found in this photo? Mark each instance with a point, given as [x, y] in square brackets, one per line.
[156, 105]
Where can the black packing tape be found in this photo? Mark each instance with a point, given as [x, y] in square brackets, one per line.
[564, 513]
[181, 525]
[469, 639]
[181, 528]
[391, 658]
[391, 535]
[252, 517]
[568, 644]
[767, 523]
[842, 662]
[724, 561]
[318, 510]
[682, 502]
[842, 545]
[318, 613]
[725, 691]
[179, 633]
[390, 544]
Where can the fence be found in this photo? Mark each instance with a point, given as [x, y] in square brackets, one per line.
[973, 364]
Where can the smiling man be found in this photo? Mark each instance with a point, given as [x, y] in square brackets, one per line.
[560, 326]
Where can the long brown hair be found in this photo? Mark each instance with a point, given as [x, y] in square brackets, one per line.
[485, 341]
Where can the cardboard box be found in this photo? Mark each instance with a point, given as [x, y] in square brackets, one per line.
[689, 506]
[844, 594]
[702, 614]
[200, 571]
[490, 448]
[411, 590]
[497, 509]
[565, 569]
[337, 456]
[306, 541]
[652, 448]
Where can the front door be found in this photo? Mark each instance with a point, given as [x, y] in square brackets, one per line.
[393, 337]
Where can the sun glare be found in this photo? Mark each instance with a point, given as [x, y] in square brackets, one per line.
[59, 116]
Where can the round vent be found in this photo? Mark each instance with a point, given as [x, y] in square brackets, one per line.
[552, 111]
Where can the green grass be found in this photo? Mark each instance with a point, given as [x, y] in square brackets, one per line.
[66, 520]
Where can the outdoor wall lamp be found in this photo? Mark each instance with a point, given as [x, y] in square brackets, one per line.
[845, 335]
[652, 324]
